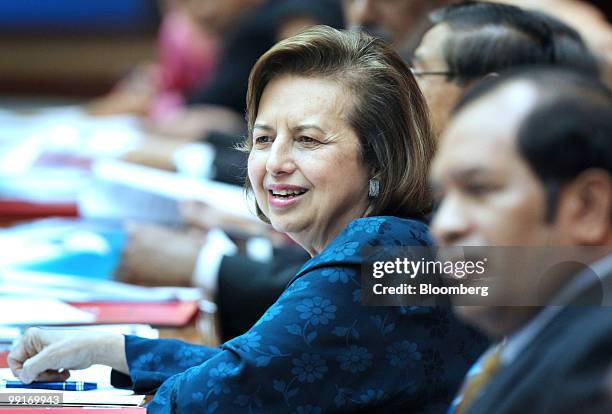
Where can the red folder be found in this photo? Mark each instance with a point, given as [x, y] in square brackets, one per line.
[20, 209]
[171, 314]
[3, 363]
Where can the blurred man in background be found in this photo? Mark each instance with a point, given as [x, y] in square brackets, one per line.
[400, 22]
[527, 161]
[248, 28]
[469, 41]
[584, 17]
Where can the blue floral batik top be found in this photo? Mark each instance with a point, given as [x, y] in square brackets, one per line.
[317, 349]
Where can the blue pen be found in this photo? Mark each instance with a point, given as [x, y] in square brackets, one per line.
[59, 386]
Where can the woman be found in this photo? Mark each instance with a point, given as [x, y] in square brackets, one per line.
[339, 143]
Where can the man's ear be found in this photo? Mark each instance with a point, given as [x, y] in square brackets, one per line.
[585, 208]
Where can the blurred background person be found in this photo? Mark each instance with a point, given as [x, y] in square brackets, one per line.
[399, 22]
[187, 58]
[206, 49]
[589, 18]
[527, 161]
[471, 40]
[403, 22]
[247, 28]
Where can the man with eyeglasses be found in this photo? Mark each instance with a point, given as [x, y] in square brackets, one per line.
[469, 41]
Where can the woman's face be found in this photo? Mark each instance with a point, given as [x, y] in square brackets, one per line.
[305, 166]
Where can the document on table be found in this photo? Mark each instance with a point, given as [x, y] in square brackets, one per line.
[24, 311]
[124, 190]
[10, 334]
[71, 288]
[104, 395]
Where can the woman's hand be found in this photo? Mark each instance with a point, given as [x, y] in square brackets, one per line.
[49, 354]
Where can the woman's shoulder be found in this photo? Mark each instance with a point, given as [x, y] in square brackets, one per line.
[380, 231]
[353, 244]
[387, 229]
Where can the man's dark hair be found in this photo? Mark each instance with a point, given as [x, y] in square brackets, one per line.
[491, 37]
[567, 132]
[569, 48]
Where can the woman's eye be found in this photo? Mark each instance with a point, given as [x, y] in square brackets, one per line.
[306, 140]
[264, 139]
[479, 189]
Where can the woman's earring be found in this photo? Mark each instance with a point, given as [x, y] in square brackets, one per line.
[374, 188]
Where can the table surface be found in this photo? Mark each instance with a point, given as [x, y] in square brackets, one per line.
[203, 330]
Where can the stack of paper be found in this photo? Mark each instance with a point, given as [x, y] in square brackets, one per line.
[80, 289]
[122, 190]
[11, 334]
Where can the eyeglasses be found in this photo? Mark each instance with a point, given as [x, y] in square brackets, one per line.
[418, 73]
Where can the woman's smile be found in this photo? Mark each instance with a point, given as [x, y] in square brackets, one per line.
[282, 196]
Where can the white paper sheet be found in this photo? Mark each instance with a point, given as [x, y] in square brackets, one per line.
[80, 289]
[126, 190]
[25, 311]
[10, 334]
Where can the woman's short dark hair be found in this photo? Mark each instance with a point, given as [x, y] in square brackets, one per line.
[492, 37]
[389, 114]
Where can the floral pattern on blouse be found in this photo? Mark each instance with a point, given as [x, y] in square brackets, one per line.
[317, 349]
